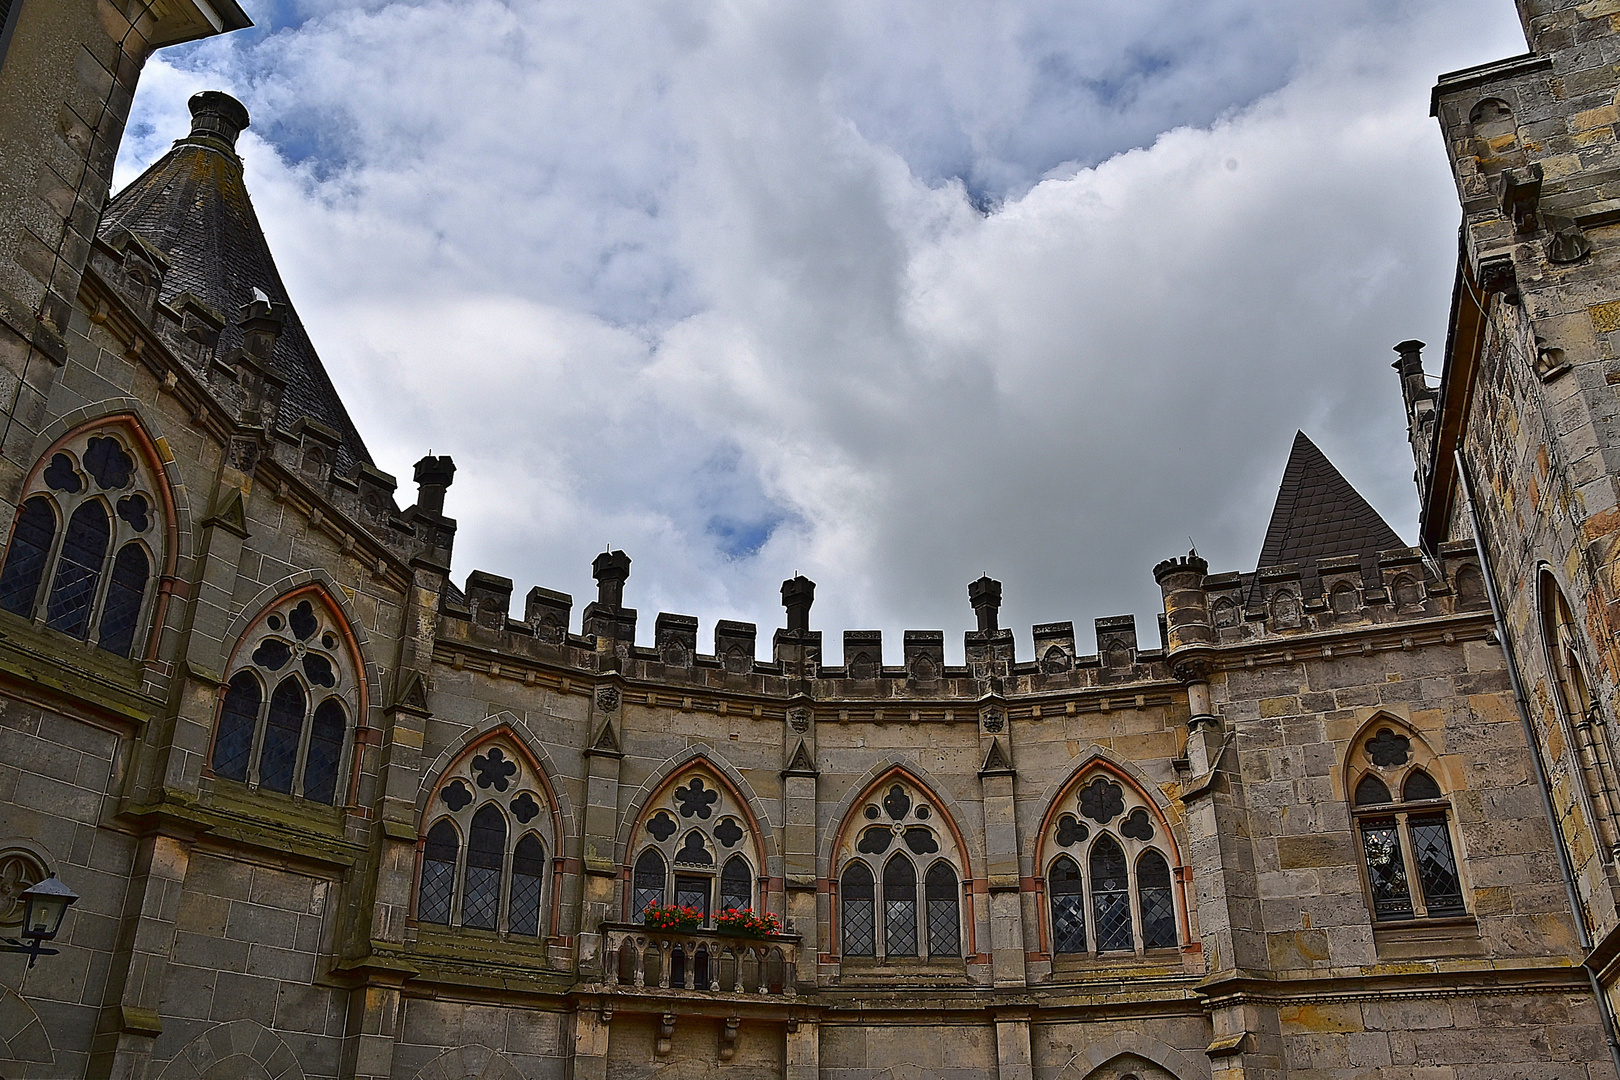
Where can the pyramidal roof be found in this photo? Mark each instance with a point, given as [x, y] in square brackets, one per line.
[1319, 515]
[193, 206]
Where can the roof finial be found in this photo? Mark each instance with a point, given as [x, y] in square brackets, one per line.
[217, 116]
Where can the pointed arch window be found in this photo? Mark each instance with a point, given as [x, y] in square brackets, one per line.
[486, 851]
[85, 542]
[439, 857]
[1109, 885]
[1586, 729]
[694, 842]
[900, 890]
[858, 895]
[499, 879]
[1403, 837]
[286, 715]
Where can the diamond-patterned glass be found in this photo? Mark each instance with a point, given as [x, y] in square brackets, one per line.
[649, 884]
[528, 875]
[858, 911]
[78, 570]
[325, 749]
[126, 588]
[282, 729]
[736, 885]
[486, 850]
[1154, 899]
[693, 892]
[1110, 896]
[944, 922]
[233, 742]
[1068, 901]
[1437, 866]
[899, 908]
[438, 874]
[1069, 923]
[1386, 870]
[25, 560]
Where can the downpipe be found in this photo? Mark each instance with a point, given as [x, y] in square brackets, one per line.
[1583, 933]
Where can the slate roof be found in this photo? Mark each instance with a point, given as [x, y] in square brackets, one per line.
[1319, 515]
[193, 205]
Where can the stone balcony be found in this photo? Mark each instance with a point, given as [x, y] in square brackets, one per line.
[703, 961]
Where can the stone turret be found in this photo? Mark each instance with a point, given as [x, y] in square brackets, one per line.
[606, 618]
[797, 647]
[989, 649]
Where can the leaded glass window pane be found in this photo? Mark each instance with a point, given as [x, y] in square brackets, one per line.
[78, 571]
[856, 903]
[1154, 899]
[325, 748]
[1386, 870]
[899, 908]
[736, 885]
[1067, 897]
[481, 889]
[692, 892]
[1372, 792]
[648, 887]
[1437, 866]
[25, 559]
[233, 742]
[944, 924]
[528, 876]
[1110, 896]
[126, 588]
[282, 729]
[438, 874]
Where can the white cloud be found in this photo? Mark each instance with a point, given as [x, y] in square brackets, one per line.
[701, 279]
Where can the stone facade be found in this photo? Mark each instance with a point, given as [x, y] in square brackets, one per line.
[330, 814]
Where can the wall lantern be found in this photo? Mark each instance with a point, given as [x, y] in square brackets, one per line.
[44, 906]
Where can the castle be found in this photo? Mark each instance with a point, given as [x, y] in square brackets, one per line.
[1354, 813]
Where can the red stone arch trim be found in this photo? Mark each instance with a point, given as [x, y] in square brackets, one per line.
[1126, 776]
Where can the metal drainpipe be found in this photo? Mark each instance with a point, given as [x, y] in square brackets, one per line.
[1582, 933]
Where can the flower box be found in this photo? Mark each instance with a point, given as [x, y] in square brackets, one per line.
[671, 918]
[742, 922]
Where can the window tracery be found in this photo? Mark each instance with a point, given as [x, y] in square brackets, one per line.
[290, 698]
[694, 847]
[1402, 817]
[900, 876]
[1585, 727]
[87, 543]
[1108, 881]
[484, 861]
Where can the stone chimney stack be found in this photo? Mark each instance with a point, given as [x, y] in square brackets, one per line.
[612, 624]
[1419, 400]
[433, 477]
[798, 648]
[985, 596]
[798, 593]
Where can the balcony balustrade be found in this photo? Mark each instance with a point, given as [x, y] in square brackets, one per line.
[699, 960]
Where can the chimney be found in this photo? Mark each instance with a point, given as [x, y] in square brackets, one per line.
[798, 593]
[985, 596]
[433, 476]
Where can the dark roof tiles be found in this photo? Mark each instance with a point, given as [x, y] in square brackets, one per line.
[193, 205]
[1319, 515]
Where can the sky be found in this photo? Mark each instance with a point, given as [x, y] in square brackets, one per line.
[890, 293]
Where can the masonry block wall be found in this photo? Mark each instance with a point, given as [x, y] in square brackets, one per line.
[331, 815]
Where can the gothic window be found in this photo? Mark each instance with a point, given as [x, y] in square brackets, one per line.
[900, 887]
[736, 885]
[496, 880]
[858, 897]
[1585, 727]
[86, 542]
[900, 907]
[439, 857]
[1406, 845]
[286, 712]
[694, 845]
[1109, 887]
